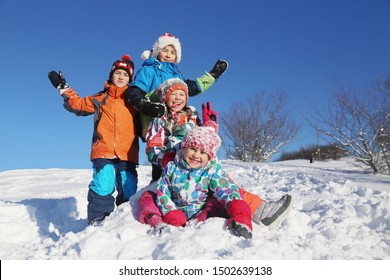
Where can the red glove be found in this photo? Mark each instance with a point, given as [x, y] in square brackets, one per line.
[167, 157]
[176, 218]
[208, 114]
[240, 218]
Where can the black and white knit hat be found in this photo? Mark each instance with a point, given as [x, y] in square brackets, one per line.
[164, 40]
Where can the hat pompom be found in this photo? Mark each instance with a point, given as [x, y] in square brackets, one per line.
[125, 63]
[146, 54]
[126, 58]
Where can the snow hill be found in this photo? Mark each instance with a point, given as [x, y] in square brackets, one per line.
[341, 212]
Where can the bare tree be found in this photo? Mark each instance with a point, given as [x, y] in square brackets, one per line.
[359, 123]
[383, 123]
[257, 129]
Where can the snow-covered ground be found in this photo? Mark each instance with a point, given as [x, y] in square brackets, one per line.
[341, 213]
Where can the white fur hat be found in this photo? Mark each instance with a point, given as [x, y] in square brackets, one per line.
[164, 40]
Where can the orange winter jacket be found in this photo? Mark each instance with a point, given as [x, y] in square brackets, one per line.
[114, 134]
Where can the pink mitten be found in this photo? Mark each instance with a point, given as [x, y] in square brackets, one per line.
[208, 113]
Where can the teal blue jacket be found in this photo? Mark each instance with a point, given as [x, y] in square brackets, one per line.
[153, 73]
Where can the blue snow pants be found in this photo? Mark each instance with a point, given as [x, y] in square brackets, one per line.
[110, 175]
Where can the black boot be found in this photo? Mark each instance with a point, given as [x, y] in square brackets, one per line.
[156, 172]
[99, 207]
[219, 68]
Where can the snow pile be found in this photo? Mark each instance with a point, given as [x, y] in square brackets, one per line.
[341, 212]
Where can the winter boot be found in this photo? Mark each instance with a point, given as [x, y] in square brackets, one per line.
[155, 222]
[99, 207]
[156, 172]
[218, 69]
[273, 212]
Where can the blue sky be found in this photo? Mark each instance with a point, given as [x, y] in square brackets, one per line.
[303, 47]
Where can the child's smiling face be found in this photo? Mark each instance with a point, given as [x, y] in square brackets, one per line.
[167, 54]
[195, 157]
[176, 100]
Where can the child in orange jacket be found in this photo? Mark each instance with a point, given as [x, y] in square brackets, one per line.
[115, 149]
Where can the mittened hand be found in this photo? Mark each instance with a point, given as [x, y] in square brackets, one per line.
[58, 81]
[208, 113]
[175, 218]
[152, 109]
[219, 68]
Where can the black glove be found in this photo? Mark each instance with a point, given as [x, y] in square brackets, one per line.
[58, 81]
[219, 68]
[152, 109]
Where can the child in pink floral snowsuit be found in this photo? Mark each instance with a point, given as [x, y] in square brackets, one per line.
[194, 182]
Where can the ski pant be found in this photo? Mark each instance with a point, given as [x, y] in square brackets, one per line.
[251, 199]
[147, 206]
[213, 208]
[110, 175]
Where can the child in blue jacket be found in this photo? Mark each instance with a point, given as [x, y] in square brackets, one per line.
[160, 65]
